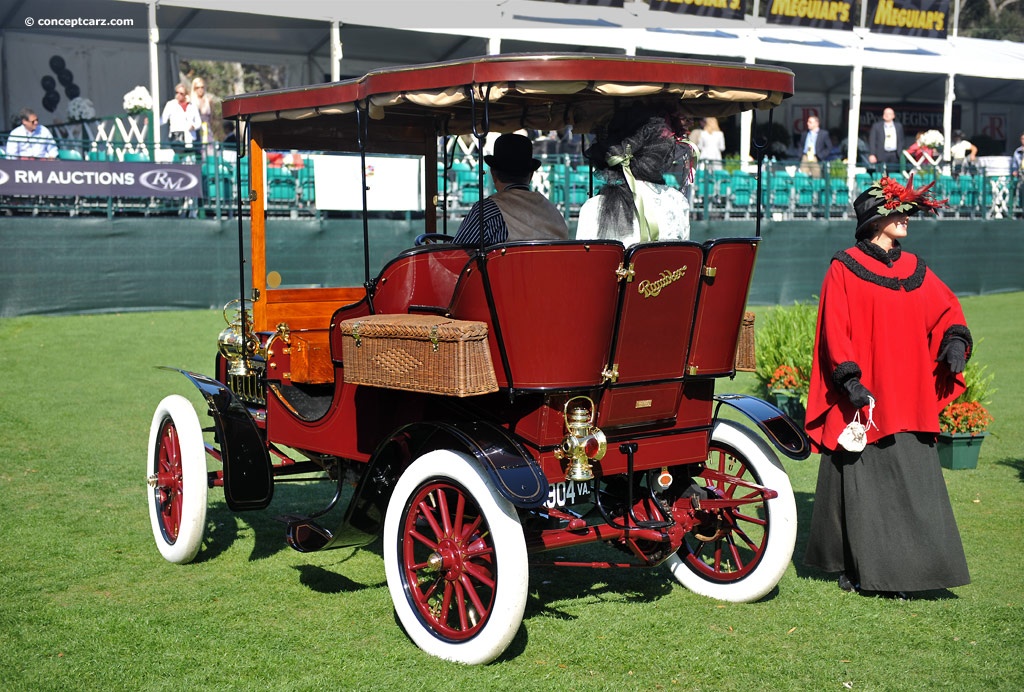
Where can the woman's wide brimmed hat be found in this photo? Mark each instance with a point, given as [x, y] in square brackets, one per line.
[513, 154]
[886, 197]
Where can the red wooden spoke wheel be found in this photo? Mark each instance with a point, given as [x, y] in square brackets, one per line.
[448, 561]
[455, 559]
[176, 479]
[738, 553]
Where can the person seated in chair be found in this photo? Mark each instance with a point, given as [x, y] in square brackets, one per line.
[632, 153]
[514, 212]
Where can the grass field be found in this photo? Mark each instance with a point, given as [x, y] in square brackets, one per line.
[88, 603]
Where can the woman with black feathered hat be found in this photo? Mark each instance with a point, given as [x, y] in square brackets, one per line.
[889, 354]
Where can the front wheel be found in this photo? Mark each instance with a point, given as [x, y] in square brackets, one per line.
[176, 479]
[738, 554]
[455, 559]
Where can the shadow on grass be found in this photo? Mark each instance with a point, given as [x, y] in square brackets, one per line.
[328, 582]
[1015, 464]
[223, 525]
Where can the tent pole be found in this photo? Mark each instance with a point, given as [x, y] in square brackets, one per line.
[853, 126]
[154, 75]
[947, 114]
[336, 52]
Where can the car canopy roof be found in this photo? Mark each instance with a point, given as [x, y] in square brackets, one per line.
[537, 91]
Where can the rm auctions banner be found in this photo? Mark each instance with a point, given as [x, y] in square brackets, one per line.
[57, 178]
[821, 14]
[722, 9]
[909, 17]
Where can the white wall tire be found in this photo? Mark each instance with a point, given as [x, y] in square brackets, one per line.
[177, 480]
[455, 559]
[766, 537]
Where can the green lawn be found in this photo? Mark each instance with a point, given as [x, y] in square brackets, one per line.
[88, 603]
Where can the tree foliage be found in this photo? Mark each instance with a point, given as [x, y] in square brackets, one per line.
[992, 19]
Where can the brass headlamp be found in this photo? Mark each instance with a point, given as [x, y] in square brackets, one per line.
[584, 442]
[237, 341]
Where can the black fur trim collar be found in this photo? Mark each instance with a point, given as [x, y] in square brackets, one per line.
[908, 284]
[883, 256]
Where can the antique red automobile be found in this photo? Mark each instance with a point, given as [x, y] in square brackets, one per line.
[480, 408]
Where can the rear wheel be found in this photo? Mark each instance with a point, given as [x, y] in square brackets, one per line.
[738, 554]
[176, 476]
[455, 559]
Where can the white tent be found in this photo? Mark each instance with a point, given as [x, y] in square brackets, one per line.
[319, 39]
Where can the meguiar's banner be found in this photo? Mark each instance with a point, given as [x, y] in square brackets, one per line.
[909, 17]
[59, 178]
[722, 9]
[821, 14]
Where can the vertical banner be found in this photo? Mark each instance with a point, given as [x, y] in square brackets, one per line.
[720, 9]
[821, 15]
[909, 17]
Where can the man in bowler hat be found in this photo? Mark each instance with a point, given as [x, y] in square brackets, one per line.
[514, 212]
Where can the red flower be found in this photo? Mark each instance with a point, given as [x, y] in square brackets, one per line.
[964, 417]
[785, 377]
[902, 199]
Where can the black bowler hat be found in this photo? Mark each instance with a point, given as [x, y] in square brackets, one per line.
[887, 197]
[513, 154]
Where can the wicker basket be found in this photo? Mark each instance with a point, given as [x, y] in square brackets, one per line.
[745, 360]
[418, 353]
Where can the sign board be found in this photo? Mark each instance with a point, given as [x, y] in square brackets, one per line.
[59, 178]
[393, 183]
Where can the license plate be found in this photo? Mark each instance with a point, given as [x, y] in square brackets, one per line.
[568, 493]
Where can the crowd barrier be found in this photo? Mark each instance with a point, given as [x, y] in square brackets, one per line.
[87, 179]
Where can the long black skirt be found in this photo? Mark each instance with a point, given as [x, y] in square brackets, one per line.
[883, 516]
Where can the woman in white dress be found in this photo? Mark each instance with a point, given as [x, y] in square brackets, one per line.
[635, 205]
[712, 143]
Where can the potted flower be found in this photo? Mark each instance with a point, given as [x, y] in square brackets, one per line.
[964, 422]
[785, 348]
[788, 386]
[138, 101]
[81, 108]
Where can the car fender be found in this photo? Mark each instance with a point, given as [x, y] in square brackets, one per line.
[517, 476]
[248, 474]
[780, 429]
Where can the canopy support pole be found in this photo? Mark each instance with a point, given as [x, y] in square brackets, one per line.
[154, 75]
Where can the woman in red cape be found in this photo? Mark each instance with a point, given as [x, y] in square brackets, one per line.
[890, 349]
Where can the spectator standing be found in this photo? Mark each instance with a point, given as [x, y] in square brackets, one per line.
[204, 104]
[30, 140]
[712, 143]
[962, 153]
[815, 147]
[1017, 173]
[515, 212]
[890, 347]
[182, 118]
[886, 140]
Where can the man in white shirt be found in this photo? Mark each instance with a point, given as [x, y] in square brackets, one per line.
[30, 140]
[182, 118]
[886, 141]
[815, 146]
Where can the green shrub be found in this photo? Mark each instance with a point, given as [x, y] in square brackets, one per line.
[785, 337]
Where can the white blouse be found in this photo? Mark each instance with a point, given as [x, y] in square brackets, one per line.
[663, 204]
